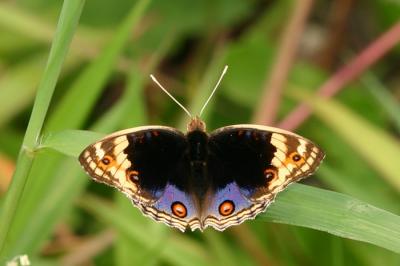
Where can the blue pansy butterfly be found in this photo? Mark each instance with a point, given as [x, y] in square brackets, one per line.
[196, 180]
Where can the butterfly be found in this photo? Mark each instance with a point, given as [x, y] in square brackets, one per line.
[196, 180]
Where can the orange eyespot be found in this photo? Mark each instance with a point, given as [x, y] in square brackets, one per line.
[226, 208]
[106, 160]
[269, 174]
[133, 176]
[178, 209]
[296, 158]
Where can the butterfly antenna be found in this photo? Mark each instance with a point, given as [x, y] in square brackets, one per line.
[215, 88]
[172, 97]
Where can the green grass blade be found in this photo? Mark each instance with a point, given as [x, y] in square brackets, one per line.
[373, 189]
[364, 137]
[67, 24]
[336, 214]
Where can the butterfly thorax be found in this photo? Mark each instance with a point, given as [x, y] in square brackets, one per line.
[197, 143]
[197, 147]
[197, 138]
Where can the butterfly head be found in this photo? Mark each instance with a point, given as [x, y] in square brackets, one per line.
[196, 124]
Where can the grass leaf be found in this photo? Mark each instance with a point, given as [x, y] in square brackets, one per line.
[336, 214]
[67, 24]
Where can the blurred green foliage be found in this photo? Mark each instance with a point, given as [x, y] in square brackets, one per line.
[63, 218]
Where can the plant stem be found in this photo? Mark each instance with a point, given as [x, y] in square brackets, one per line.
[67, 24]
[344, 75]
[268, 107]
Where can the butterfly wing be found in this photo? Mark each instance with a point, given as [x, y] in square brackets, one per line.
[248, 166]
[150, 166]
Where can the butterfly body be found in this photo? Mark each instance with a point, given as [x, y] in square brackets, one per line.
[196, 180]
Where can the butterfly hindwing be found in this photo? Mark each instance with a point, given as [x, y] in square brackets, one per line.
[229, 206]
[249, 165]
[175, 208]
[149, 165]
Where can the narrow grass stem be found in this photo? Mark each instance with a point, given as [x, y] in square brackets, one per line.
[347, 73]
[268, 106]
[68, 21]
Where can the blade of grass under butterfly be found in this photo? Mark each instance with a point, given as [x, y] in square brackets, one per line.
[372, 191]
[336, 214]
